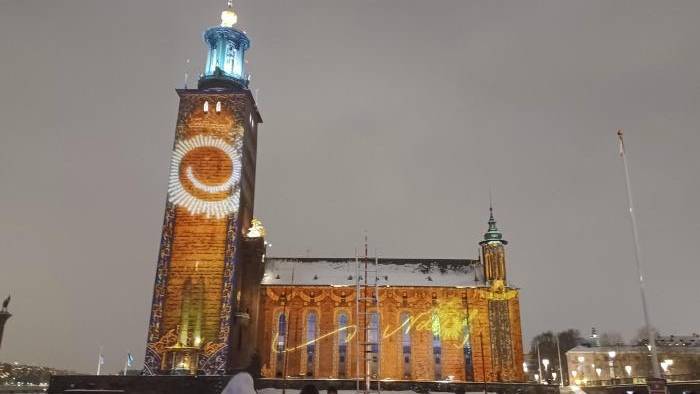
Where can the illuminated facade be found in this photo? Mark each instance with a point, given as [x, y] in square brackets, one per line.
[201, 312]
[219, 305]
[436, 320]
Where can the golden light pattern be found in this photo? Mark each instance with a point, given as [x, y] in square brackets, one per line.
[448, 320]
[256, 229]
[303, 345]
[197, 196]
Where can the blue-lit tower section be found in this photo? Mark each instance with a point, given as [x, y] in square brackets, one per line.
[226, 53]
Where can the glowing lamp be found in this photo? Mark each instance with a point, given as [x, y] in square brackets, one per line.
[612, 354]
[628, 369]
[228, 17]
[598, 371]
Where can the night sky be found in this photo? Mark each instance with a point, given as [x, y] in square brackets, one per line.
[394, 116]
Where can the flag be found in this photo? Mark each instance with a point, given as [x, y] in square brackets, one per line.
[129, 359]
[102, 359]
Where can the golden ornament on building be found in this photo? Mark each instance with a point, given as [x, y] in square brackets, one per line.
[256, 229]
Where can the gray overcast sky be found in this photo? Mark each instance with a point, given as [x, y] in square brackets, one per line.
[394, 116]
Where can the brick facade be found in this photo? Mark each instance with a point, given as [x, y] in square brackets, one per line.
[421, 303]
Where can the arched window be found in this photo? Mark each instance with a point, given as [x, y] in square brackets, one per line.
[230, 59]
[373, 340]
[206, 106]
[311, 329]
[279, 346]
[406, 343]
[342, 344]
[467, 346]
[218, 107]
[437, 347]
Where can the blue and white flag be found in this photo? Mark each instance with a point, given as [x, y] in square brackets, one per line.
[129, 360]
[102, 359]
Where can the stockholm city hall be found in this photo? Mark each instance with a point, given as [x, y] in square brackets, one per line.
[220, 305]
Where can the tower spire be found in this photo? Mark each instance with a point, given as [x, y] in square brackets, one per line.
[492, 234]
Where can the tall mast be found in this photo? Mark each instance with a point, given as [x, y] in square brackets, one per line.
[638, 260]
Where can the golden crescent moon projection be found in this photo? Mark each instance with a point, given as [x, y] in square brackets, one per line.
[195, 171]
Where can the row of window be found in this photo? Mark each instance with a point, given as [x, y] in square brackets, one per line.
[372, 344]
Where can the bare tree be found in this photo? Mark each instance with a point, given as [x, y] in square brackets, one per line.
[547, 341]
[642, 336]
[611, 338]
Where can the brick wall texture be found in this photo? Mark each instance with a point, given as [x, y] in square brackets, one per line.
[421, 303]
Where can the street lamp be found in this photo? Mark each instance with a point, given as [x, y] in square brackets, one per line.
[611, 363]
[666, 364]
[581, 366]
[545, 362]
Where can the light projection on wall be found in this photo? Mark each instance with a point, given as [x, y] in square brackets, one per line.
[447, 321]
[204, 176]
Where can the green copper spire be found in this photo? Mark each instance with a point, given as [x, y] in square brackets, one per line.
[493, 234]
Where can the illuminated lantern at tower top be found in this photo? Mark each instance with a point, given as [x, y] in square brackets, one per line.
[226, 53]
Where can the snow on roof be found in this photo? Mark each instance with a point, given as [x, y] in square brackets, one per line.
[392, 272]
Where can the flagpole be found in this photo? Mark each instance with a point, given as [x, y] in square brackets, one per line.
[126, 362]
[637, 258]
[99, 362]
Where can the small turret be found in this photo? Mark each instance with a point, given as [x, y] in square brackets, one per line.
[493, 252]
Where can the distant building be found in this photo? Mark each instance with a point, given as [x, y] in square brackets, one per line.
[15, 374]
[677, 340]
[603, 365]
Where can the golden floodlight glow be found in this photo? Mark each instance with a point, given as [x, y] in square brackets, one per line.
[256, 230]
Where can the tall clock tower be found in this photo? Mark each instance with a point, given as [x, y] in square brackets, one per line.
[204, 300]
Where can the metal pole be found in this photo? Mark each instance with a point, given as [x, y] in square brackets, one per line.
[561, 371]
[357, 322]
[287, 324]
[483, 359]
[379, 323]
[637, 258]
[539, 363]
[99, 362]
[126, 363]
